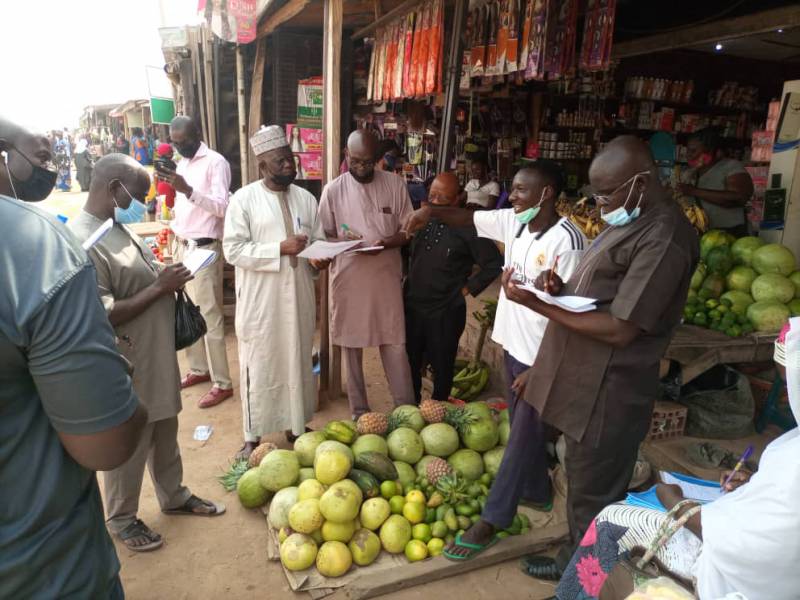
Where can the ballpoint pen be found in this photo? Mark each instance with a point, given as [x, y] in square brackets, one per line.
[748, 451]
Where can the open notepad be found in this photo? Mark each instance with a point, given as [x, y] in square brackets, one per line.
[576, 304]
[198, 259]
[693, 488]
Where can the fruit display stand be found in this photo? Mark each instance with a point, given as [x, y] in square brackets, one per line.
[697, 350]
[393, 572]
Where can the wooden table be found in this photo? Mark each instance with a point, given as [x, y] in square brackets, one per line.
[697, 349]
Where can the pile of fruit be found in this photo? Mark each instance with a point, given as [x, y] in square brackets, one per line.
[742, 285]
[406, 482]
[159, 243]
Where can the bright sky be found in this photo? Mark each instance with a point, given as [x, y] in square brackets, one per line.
[61, 55]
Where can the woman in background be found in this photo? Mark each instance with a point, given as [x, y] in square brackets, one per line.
[722, 186]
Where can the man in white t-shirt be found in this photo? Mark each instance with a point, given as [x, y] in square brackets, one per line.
[534, 237]
[482, 192]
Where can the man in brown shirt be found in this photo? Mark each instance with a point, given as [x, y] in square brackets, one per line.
[596, 375]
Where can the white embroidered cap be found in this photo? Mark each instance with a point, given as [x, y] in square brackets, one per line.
[268, 138]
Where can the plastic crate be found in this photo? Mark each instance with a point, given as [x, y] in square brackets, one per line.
[668, 421]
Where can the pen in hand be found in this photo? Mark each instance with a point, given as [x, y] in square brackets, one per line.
[747, 453]
[549, 285]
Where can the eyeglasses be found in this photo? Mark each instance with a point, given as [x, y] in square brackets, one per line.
[606, 198]
[370, 162]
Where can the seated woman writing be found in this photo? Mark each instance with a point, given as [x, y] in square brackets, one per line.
[747, 541]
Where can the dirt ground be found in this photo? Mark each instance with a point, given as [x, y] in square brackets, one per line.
[226, 556]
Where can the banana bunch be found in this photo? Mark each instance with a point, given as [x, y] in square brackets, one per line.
[697, 217]
[582, 214]
[591, 226]
[470, 381]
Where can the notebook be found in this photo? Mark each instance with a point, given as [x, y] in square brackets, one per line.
[198, 259]
[575, 304]
[693, 488]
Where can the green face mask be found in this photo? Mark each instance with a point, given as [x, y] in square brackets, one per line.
[526, 216]
[529, 214]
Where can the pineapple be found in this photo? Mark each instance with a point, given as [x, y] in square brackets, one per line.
[258, 454]
[396, 421]
[373, 422]
[436, 469]
[433, 411]
[453, 488]
[459, 418]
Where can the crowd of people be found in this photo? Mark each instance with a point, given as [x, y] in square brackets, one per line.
[82, 150]
[91, 380]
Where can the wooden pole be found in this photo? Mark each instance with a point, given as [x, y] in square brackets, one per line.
[280, 16]
[242, 115]
[208, 63]
[330, 356]
[255, 120]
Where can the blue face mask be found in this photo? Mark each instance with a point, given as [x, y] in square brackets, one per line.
[619, 217]
[529, 214]
[133, 214]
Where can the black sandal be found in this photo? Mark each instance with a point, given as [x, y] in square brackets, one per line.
[292, 438]
[194, 502]
[138, 529]
[541, 567]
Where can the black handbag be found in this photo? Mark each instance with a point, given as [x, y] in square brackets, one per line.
[190, 325]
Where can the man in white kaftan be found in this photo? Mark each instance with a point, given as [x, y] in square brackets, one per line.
[267, 224]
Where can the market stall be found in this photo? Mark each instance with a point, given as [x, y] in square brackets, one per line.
[535, 79]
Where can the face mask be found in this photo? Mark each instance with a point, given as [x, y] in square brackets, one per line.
[189, 149]
[701, 161]
[529, 214]
[37, 187]
[283, 180]
[133, 214]
[619, 217]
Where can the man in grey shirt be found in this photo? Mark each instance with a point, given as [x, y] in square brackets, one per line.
[67, 408]
[139, 297]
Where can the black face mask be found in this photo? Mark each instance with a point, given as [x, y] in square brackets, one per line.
[283, 180]
[365, 179]
[189, 149]
[37, 187]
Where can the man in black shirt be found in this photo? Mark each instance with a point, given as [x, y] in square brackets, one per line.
[440, 275]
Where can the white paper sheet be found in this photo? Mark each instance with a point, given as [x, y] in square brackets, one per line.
[321, 250]
[198, 259]
[98, 234]
[575, 304]
[696, 491]
[367, 249]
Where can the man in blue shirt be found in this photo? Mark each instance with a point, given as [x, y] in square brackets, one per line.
[67, 408]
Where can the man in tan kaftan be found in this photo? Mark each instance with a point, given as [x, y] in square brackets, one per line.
[366, 287]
